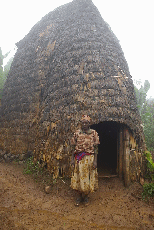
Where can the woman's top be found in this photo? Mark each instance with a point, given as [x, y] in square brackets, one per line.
[85, 142]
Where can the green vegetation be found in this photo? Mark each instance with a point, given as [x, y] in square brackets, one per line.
[4, 71]
[32, 168]
[146, 110]
[150, 166]
[38, 173]
[148, 188]
[148, 121]
[148, 191]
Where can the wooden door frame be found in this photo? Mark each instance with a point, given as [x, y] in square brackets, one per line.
[126, 162]
[123, 154]
[120, 153]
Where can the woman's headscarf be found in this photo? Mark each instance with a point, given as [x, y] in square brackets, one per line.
[85, 117]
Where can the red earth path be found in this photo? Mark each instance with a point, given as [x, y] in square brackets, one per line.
[25, 206]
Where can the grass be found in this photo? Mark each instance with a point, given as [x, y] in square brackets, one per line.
[41, 175]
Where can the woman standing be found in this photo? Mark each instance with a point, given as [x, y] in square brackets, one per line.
[84, 160]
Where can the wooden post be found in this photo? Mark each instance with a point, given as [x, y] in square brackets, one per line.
[120, 152]
[118, 140]
[126, 158]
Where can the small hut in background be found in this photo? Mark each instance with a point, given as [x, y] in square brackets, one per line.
[70, 64]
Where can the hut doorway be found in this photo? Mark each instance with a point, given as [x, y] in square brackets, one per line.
[107, 160]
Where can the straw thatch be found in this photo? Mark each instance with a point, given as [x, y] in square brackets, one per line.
[70, 63]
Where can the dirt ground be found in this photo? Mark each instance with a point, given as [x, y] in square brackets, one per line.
[25, 206]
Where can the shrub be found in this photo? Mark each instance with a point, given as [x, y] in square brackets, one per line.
[32, 168]
[148, 190]
[150, 165]
[149, 187]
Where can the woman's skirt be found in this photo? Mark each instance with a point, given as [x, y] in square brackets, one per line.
[85, 178]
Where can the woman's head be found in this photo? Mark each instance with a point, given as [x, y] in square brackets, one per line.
[85, 122]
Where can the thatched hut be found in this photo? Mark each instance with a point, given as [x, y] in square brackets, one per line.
[70, 64]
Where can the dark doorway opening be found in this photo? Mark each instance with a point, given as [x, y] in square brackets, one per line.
[108, 149]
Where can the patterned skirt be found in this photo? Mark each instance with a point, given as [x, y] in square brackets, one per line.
[85, 178]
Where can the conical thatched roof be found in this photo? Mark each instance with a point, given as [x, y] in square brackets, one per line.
[70, 63]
